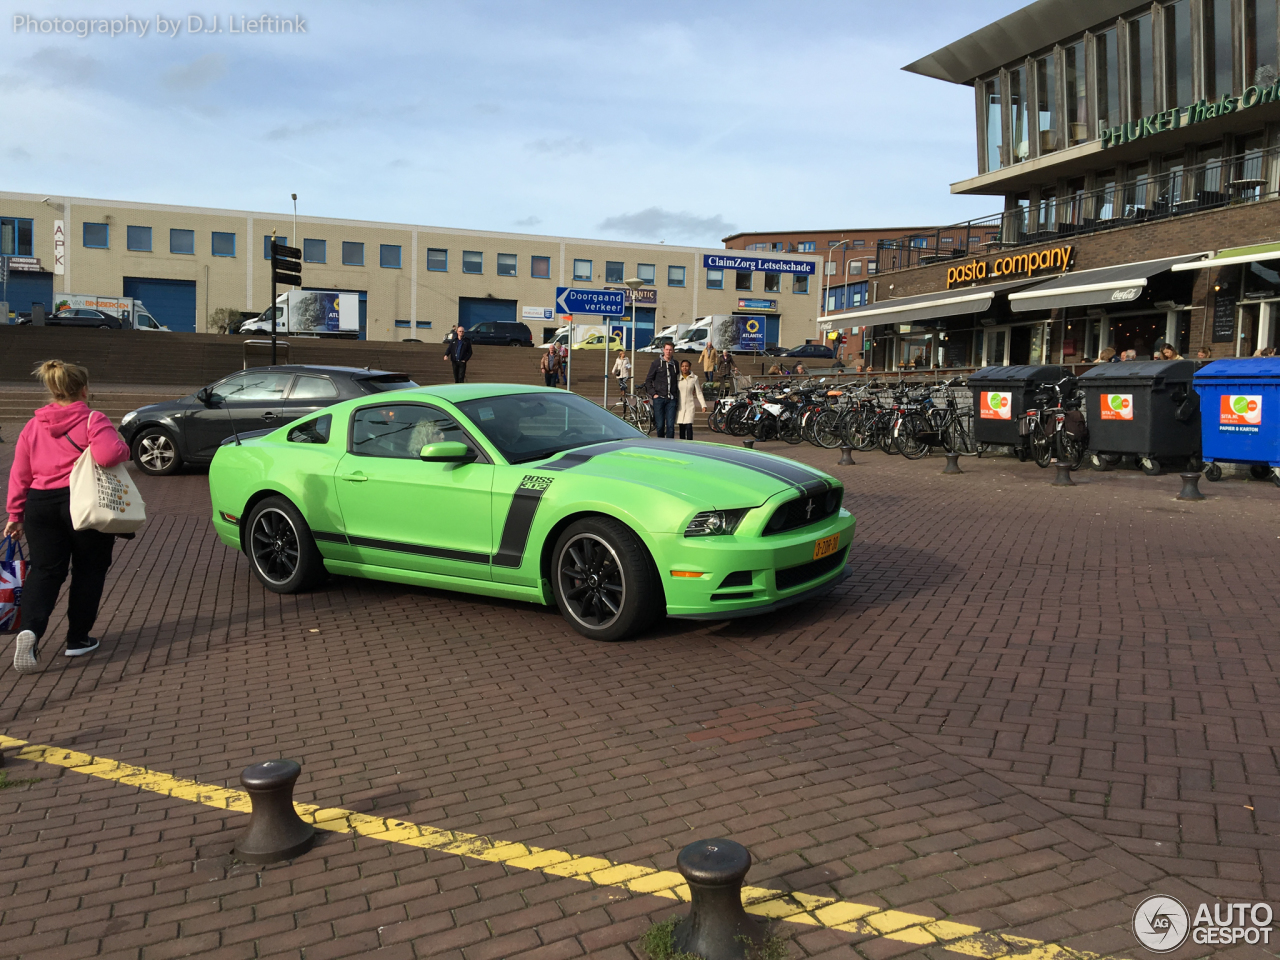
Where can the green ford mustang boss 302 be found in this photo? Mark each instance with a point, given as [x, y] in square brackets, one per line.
[532, 494]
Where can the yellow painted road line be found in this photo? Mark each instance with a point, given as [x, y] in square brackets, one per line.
[803, 908]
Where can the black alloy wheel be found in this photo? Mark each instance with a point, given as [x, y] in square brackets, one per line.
[281, 549]
[603, 579]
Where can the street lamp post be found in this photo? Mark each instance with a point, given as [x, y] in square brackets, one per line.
[826, 293]
[296, 239]
[634, 285]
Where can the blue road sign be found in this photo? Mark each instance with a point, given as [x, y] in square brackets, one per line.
[610, 303]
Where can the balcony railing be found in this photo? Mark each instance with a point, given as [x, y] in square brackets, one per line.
[1244, 178]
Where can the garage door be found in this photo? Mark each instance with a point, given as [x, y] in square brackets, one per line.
[473, 310]
[24, 289]
[172, 302]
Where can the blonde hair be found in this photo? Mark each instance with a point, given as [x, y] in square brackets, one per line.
[64, 381]
[1106, 354]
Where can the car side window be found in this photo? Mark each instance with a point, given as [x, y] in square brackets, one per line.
[400, 430]
[313, 388]
[252, 386]
[313, 431]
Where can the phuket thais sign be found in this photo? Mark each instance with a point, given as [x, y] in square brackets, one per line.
[1012, 266]
[1186, 116]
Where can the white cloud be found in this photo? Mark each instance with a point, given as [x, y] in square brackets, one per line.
[654, 223]
[527, 221]
[197, 74]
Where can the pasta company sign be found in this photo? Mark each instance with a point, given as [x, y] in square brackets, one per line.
[1055, 260]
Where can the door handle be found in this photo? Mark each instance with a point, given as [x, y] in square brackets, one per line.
[268, 415]
[354, 477]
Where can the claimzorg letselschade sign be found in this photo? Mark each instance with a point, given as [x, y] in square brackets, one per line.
[1011, 266]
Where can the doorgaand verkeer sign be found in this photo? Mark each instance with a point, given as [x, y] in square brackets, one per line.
[609, 303]
[1186, 116]
[723, 261]
[1011, 266]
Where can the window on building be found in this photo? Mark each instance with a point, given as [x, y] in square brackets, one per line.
[1142, 71]
[715, 279]
[995, 129]
[97, 235]
[1259, 43]
[266, 245]
[581, 269]
[437, 260]
[1019, 143]
[314, 251]
[871, 267]
[858, 243]
[224, 244]
[422, 324]
[744, 280]
[16, 237]
[614, 271]
[1107, 75]
[675, 276]
[799, 283]
[830, 268]
[506, 264]
[1177, 53]
[1217, 47]
[806, 246]
[540, 268]
[772, 282]
[472, 261]
[389, 256]
[647, 272]
[1047, 103]
[855, 268]
[1077, 98]
[138, 238]
[182, 241]
[352, 254]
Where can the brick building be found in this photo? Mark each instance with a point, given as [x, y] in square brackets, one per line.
[1136, 149]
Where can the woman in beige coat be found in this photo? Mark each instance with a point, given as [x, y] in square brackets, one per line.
[690, 393]
[709, 359]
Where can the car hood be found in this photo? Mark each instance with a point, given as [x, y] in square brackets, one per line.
[166, 408]
[706, 474]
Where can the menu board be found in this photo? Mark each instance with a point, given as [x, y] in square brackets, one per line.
[1224, 318]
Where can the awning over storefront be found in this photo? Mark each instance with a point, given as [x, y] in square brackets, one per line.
[1224, 258]
[1115, 285]
[958, 302]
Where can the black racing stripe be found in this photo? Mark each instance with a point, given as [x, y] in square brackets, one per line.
[576, 458]
[794, 475]
[515, 531]
[423, 551]
[329, 537]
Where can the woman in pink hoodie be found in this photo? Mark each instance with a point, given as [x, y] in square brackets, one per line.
[40, 507]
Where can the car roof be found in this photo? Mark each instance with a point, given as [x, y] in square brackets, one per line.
[325, 368]
[462, 392]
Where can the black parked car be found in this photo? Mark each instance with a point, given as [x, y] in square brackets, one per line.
[82, 317]
[813, 351]
[164, 436]
[502, 333]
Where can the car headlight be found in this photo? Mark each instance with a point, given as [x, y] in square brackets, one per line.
[712, 523]
[132, 414]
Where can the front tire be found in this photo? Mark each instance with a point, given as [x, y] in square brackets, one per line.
[603, 580]
[156, 453]
[280, 547]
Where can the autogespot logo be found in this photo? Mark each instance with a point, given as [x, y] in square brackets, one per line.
[1160, 923]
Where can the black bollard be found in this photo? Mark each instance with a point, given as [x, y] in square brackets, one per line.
[276, 832]
[953, 464]
[846, 457]
[1063, 476]
[714, 870]
[749, 444]
[1190, 487]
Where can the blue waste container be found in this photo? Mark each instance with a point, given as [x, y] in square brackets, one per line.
[1240, 415]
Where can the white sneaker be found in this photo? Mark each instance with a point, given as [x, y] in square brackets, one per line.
[24, 655]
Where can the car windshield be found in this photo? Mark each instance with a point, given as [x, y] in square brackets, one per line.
[532, 426]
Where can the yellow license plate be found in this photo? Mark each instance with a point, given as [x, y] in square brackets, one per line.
[826, 546]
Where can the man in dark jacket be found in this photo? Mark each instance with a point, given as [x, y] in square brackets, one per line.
[458, 351]
[663, 385]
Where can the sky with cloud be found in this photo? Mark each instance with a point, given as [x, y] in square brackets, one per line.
[667, 121]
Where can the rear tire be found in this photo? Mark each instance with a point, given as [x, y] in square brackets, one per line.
[1150, 466]
[282, 553]
[1213, 472]
[156, 453]
[604, 582]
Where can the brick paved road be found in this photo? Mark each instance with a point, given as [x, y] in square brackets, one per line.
[1027, 709]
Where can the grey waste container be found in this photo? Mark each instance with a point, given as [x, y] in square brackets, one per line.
[1147, 410]
[1002, 394]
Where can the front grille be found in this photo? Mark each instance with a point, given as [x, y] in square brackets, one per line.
[739, 578]
[797, 513]
[794, 576]
[738, 595]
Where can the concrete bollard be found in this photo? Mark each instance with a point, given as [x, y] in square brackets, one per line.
[276, 832]
[714, 870]
[1190, 487]
[846, 457]
[749, 444]
[1063, 476]
[953, 464]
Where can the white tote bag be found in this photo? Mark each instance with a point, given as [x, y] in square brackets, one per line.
[104, 498]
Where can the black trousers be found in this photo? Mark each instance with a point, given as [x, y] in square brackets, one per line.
[52, 545]
[459, 371]
[686, 431]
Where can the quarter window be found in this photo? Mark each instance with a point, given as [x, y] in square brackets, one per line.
[311, 388]
[437, 260]
[472, 261]
[138, 238]
[400, 431]
[582, 269]
[224, 244]
[182, 241]
[352, 254]
[96, 235]
[506, 264]
[313, 431]
[675, 276]
[314, 251]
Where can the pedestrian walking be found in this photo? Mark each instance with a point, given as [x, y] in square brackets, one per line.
[458, 352]
[564, 365]
[39, 509]
[662, 385]
[690, 393]
[708, 358]
[622, 370]
[551, 366]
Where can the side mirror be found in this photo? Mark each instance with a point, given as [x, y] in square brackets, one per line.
[447, 451]
[204, 395]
